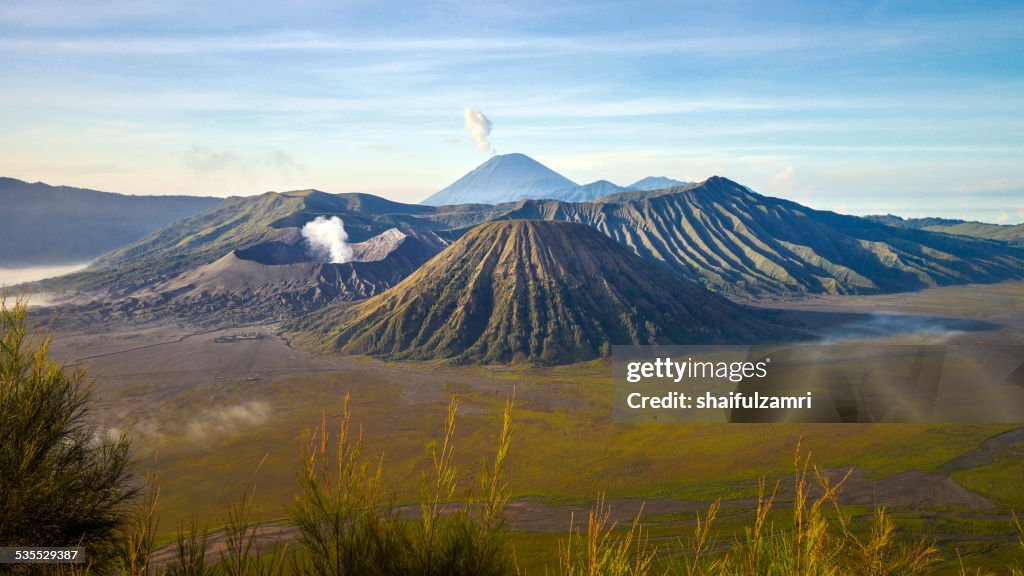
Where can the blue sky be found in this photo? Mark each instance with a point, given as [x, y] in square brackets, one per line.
[912, 108]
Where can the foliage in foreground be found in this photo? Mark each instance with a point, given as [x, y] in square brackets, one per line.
[813, 543]
[61, 481]
[347, 526]
[61, 478]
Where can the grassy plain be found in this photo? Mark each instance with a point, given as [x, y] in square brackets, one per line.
[208, 418]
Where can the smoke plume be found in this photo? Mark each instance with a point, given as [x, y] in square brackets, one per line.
[327, 240]
[479, 128]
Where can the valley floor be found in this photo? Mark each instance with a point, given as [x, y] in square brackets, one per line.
[210, 416]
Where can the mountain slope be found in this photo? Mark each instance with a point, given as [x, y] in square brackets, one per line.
[736, 241]
[503, 178]
[1011, 234]
[275, 280]
[531, 291]
[45, 224]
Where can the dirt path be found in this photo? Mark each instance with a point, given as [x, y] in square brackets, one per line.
[1007, 442]
[911, 489]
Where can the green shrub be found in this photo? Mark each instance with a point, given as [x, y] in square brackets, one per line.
[344, 527]
[63, 481]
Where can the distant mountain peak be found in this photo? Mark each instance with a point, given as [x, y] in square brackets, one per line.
[722, 185]
[514, 177]
[301, 193]
[655, 183]
[511, 156]
[502, 178]
[588, 192]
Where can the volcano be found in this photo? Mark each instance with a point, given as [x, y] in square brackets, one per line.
[531, 291]
[503, 178]
[280, 279]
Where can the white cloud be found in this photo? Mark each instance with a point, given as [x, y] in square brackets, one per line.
[791, 184]
[997, 184]
[785, 178]
[203, 159]
[481, 46]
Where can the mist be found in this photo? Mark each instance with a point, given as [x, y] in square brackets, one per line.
[10, 276]
[929, 329]
[228, 420]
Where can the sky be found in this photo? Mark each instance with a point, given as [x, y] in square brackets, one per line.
[912, 108]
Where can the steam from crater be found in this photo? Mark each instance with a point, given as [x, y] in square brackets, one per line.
[328, 241]
[479, 128]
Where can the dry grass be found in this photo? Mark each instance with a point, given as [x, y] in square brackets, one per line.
[348, 525]
[816, 541]
[600, 551]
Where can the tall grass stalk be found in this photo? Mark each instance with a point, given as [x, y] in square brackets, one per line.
[190, 553]
[699, 557]
[882, 554]
[601, 551]
[438, 490]
[243, 555]
[467, 539]
[1019, 569]
[140, 535]
[494, 496]
[344, 527]
[349, 525]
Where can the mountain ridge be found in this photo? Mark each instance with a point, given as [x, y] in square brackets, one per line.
[716, 232]
[736, 241]
[1010, 233]
[92, 222]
